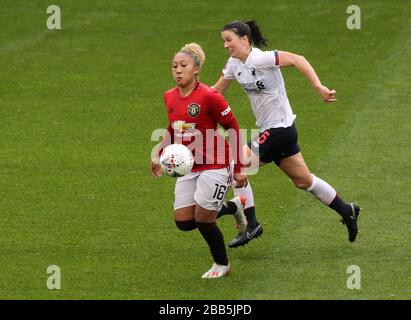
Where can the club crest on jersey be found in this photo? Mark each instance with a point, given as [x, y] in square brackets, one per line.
[193, 109]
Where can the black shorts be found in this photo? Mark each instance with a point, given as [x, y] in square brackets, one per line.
[275, 144]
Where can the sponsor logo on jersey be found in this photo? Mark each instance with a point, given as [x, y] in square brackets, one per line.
[193, 109]
[260, 85]
[226, 111]
[185, 130]
[253, 86]
[182, 125]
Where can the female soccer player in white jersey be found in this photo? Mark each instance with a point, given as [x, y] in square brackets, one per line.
[258, 73]
[194, 110]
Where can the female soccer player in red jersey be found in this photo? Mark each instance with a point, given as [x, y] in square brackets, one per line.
[194, 110]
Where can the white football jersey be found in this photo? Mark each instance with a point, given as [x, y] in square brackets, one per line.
[261, 79]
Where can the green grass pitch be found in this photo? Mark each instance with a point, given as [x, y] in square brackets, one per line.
[77, 109]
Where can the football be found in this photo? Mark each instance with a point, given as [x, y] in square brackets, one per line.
[176, 160]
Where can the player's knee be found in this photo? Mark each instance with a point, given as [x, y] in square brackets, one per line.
[302, 183]
[187, 225]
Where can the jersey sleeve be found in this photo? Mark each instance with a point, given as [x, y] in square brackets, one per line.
[167, 98]
[219, 108]
[228, 72]
[268, 59]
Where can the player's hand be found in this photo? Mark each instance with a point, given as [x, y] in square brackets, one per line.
[155, 169]
[241, 180]
[327, 94]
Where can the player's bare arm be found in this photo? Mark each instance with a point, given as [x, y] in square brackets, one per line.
[288, 59]
[222, 85]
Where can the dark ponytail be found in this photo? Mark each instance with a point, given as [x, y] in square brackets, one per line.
[257, 38]
[249, 29]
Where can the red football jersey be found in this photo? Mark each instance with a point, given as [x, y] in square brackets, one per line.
[193, 120]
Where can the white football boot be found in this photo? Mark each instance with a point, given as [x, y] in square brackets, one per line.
[239, 215]
[217, 271]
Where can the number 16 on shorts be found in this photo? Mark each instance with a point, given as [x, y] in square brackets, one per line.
[219, 192]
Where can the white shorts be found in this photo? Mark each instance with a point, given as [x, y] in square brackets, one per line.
[205, 188]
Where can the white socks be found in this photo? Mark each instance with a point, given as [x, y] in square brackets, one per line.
[319, 188]
[322, 190]
[246, 192]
